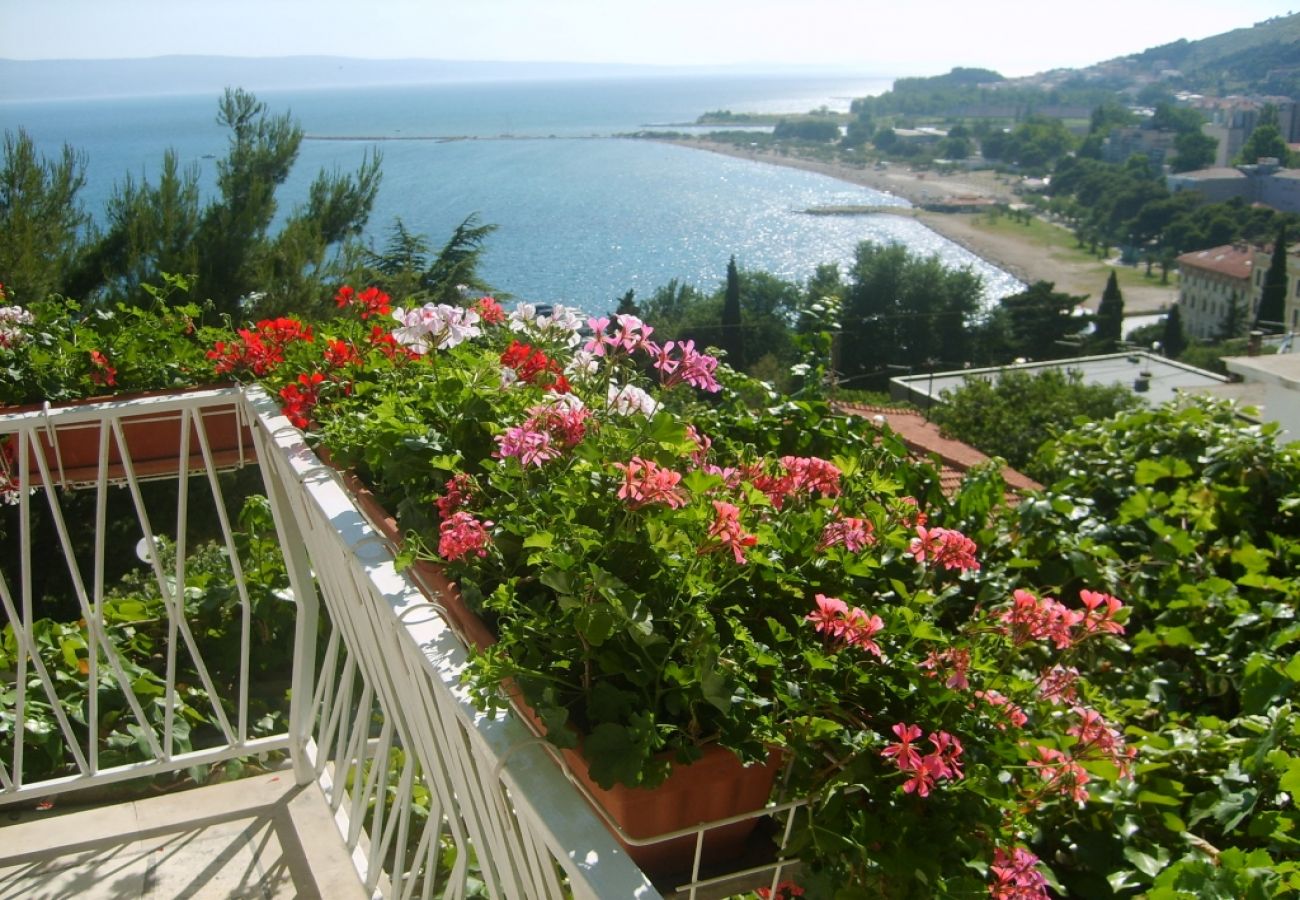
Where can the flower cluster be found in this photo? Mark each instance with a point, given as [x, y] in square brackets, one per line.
[14, 320]
[1016, 876]
[944, 547]
[852, 533]
[532, 366]
[657, 568]
[942, 763]
[846, 626]
[1032, 618]
[461, 534]
[102, 372]
[260, 350]
[727, 533]
[435, 326]
[646, 482]
[369, 302]
[300, 397]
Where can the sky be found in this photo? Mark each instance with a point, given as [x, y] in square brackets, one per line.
[870, 36]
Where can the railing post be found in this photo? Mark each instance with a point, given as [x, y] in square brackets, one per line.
[306, 624]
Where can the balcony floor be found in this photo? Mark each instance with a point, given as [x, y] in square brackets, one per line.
[261, 837]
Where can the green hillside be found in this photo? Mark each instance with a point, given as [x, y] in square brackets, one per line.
[1264, 58]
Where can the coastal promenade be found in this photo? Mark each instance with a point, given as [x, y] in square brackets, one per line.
[1028, 256]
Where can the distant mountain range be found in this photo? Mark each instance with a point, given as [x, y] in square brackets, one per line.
[1262, 59]
[81, 78]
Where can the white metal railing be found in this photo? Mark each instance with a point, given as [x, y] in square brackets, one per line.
[90, 454]
[430, 796]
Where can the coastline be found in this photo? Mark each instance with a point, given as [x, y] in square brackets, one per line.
[1023, 259]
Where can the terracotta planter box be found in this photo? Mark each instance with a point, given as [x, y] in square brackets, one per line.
[714, 787]
[152, 441]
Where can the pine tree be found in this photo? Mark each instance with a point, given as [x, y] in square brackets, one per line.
[1272, 301]
[733, 338]
[1174, 340]
[1110, 314]
[627, 304]
[41, 219]
[228, 242]
[456, 265]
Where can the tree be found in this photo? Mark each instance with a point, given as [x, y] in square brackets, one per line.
[1039, 320]
[1195, 151]
[733, 336]
[1265, 140]
[1272, 300]
[456, 265]
[1011, 414]
[1110, 314]
[902, 309]
[398, 269]
[1174, 340]
[627, 304]
[228, 243]
[42, 221]
[816, 130]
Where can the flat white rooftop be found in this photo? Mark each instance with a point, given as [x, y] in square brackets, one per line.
[1153, 378]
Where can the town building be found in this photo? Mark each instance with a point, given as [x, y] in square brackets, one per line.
[1266, 183]
[1214, 286]
[1267, 387]
[1150, 376]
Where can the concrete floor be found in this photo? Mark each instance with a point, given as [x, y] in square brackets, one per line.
[261, 837]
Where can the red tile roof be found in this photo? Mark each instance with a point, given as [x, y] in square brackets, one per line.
[1233, 260]
[923, 439]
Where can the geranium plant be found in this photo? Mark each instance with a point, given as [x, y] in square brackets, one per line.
[58, 349]
[665, 568]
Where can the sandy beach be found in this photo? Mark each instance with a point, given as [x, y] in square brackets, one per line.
[1025, 259]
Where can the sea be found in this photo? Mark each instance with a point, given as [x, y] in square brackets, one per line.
[583, 213]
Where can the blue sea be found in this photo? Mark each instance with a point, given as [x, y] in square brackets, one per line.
[583, 215]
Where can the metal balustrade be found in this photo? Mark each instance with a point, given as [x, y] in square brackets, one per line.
[430, 796]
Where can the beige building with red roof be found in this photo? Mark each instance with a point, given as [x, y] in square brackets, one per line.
[1210, 283]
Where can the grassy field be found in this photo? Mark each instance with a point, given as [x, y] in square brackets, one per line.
[1059, 244]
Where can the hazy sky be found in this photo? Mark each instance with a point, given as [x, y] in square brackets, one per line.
[896, 37]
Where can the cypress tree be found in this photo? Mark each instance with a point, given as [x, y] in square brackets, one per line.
[1272, 302]
[1110, 314]
[1174, 341]
[733, 339]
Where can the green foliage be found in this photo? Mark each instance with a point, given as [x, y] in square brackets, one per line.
[68, 352]
[135, 620]
[1037, 323]
[1271, 313]
[41, 218]
[732, 336]
[1190, 514]
[812, 130]
[1173, 340]
[1194, 151]
[1265, 141]
[1013, 413]
[902, 310]
[1110, 315]
[455, 268]
[1035, 144]
[228, 243]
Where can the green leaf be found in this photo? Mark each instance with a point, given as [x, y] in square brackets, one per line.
[1145, 863]
[541, 539]
[614, 755]
[596, 622]
[1290, 780]
[714, 688]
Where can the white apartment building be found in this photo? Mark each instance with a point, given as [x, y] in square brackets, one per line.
[1210, 282]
